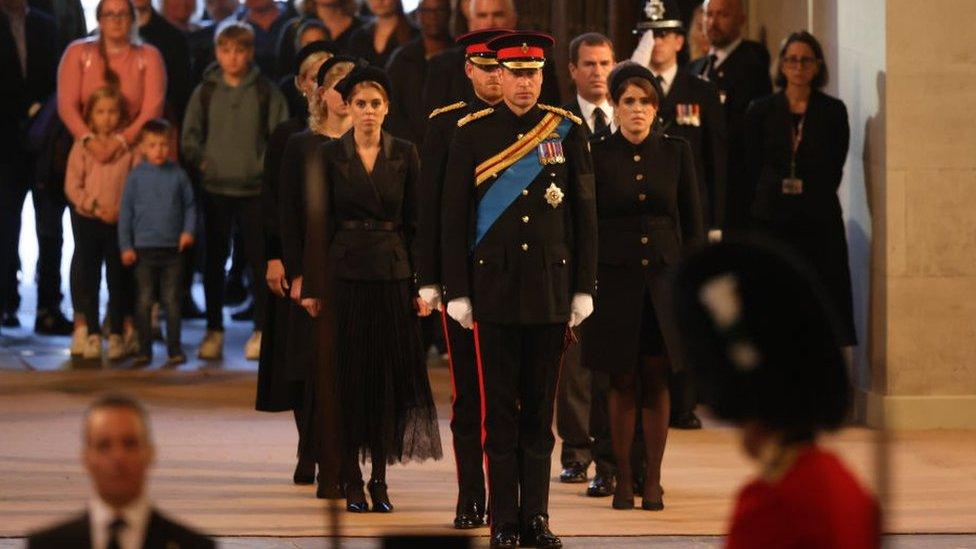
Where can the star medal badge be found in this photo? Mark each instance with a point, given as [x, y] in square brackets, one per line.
[554, 195]
[551, 152]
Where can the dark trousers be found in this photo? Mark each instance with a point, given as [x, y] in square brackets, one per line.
[49, 205]
[97, 243]
[469, 456]
[220, 213]
[520, 365]
[13, 190]
[602, 449]
[573, 409]
[162, 268]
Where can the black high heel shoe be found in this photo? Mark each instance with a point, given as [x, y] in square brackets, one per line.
[381, 500]
[356, 498]
[304, 471]
[655, 501]
[623, 496]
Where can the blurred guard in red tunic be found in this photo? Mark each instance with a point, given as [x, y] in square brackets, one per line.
[756, 327]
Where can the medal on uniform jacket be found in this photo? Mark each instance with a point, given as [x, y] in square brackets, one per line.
[551, 152]
[554, 195]
[688, 114]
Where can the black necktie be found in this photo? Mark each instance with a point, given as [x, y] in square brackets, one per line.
[660, 82]
[710, 70]
[599, 120]
[114, 529]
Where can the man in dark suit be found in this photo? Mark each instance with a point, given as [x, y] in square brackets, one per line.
[582, 395]
[445, 84]
[690, 109]
[29, 45]
[740, 70]
[519, 266]
[117, 454]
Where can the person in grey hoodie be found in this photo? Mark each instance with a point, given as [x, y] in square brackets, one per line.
[225, 131]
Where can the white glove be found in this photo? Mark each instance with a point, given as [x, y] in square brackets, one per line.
[431, 296]
[642, 53]
[460, 310]
[581, 308]
[714, 236]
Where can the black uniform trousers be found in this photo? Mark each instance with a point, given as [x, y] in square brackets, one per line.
[573, 409]
[520, 368]
[469, 456]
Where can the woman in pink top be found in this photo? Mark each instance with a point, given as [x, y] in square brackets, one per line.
[116, 59]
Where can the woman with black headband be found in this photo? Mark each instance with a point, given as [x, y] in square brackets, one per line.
[649, 213]
[363, 220]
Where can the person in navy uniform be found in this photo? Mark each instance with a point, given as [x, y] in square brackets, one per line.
[483, 70]
[649, 214]
[691, 109]
[519, 267]
[740, 70]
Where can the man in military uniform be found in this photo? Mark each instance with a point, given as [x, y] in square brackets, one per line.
[690, 109]
[740, 70]
[483, 71]
[519, 264]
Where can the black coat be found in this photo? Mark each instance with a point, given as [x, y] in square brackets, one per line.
[18, 91]
[385, 197]
[161, 533]
[536, 256]
[446, 82]
[649, 215]
[292, 183]
[173, 45]
[69, 19]
[407, 70]
[361, 44]
[706, 136]
[741, 78]
[811, 222]
[433, 166]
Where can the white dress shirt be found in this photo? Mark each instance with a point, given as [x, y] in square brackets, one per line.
[131, 536]
[588, 109]
[667, 77]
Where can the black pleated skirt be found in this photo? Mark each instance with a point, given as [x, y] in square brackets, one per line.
[384, 393]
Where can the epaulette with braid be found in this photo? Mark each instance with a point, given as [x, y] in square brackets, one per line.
[447, 108]
[561, 112]
[474, 116]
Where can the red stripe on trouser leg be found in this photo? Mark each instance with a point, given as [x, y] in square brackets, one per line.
[484, 432]
[450, 367]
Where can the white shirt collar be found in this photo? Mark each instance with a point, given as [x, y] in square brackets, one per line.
[667, 77]
[132, 535]
[723, 53]
[587, 108]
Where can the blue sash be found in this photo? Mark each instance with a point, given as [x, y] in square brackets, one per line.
[509, 185]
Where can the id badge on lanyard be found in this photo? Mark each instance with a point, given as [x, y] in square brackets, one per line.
[793, 185]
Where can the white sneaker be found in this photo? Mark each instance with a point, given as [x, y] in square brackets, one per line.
[212, 346]
[93, 347]
[252, 349]
[116, 348]
[79, 341]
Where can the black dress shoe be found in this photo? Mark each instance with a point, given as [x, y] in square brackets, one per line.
[469, 515]
[10, 320]
[504, 536]
[537, 534]
[687, 420]
[600, 487]
[574, 473]
[49, 322]
[380, 497]
[304, 471]
[356, 498]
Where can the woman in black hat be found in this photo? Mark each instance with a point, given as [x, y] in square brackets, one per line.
[796, 145]
[758, 330]
[649, 212]
[365, 229]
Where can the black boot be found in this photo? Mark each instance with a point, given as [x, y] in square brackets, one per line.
[537, 534]
[469, 515]
[504, 536]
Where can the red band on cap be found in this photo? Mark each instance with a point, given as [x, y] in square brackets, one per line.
[478, 48]
[521, 52]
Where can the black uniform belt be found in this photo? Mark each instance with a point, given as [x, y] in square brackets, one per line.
[638, 223]
[368, 225]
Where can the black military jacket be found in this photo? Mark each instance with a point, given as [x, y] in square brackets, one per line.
[433, 165]
[692, 110]
[539, 252]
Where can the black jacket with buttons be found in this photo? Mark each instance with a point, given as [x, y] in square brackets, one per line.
[536, 255]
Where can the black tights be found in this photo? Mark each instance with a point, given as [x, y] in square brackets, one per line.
[655, 403]
[354, 474]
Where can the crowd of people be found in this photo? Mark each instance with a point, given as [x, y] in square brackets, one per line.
[374, 169]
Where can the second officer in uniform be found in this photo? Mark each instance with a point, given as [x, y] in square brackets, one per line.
[519, 265]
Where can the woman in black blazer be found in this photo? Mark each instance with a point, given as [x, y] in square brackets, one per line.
[392, 26]
[796, 146]
[368, 221]
[649, 212]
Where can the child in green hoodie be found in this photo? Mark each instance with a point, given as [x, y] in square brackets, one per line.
[225, 131]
